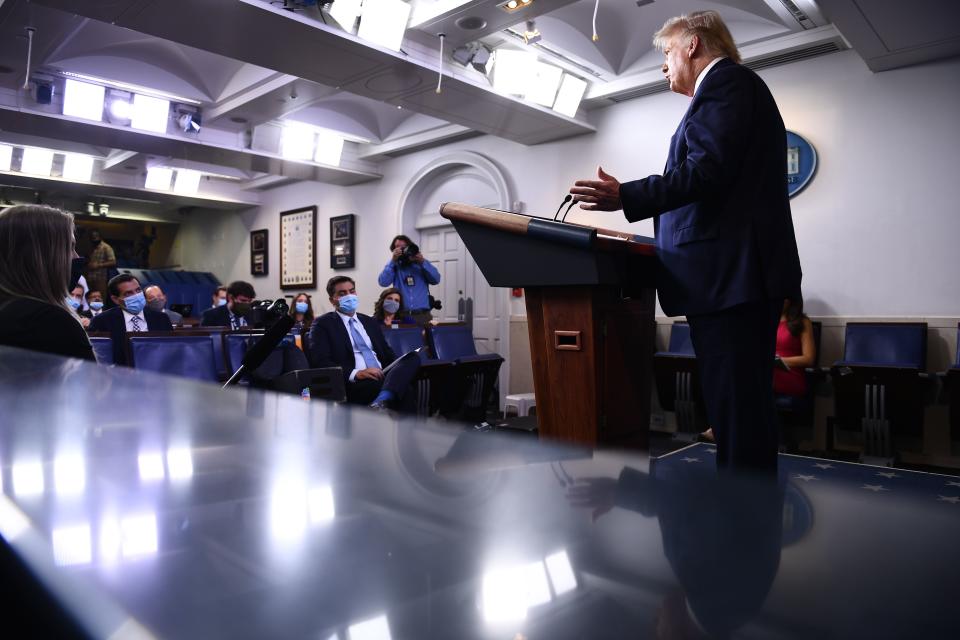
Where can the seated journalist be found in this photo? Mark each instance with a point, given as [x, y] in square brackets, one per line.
[354, 342]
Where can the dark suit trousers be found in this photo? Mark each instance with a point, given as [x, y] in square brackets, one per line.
[397, 381]
[735, 354]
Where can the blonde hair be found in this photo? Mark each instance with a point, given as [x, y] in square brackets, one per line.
[706, 25]
[36, 250]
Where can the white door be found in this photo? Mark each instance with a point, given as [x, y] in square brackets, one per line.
[465, 293]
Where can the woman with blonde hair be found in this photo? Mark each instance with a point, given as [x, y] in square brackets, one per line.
[36, 254]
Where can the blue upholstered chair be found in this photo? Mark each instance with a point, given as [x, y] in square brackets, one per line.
[476, 375]
[879, 385]
[179, 355]
[951, 391]
[436, 379]
[404, 339]
[102, 344]
[285, 357]
[678, 383]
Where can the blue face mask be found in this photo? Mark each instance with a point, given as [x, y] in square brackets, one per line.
[96, 306]
[348, 303]
[74, 303]
[135, 303]
[221, 302]
[301, 307]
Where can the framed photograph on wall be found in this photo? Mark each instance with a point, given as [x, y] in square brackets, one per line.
[298, 248]
[342, 236]
[258, 252]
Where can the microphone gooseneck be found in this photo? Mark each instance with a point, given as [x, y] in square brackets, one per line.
[564, 218]
[565, 201]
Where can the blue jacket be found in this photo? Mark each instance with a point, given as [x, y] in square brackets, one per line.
[415, 296]
[721, 210]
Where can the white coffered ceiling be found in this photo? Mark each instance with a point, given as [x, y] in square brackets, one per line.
[252, 66]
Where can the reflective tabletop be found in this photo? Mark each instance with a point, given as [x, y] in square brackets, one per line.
[150, 506]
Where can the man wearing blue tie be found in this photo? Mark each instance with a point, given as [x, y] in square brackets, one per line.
[354, 342]
[725, 240]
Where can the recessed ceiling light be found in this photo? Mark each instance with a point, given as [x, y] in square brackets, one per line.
[471, 23]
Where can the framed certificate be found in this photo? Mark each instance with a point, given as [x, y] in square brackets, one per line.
[258, 252]
[342, 233]
[298, 248]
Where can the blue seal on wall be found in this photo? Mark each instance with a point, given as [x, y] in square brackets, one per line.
[801, 163]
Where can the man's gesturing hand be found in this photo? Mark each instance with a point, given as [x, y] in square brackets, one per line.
[598, 195]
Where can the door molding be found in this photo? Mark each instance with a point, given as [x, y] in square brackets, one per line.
[412, 203]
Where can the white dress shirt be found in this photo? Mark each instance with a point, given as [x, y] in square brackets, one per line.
[703, 74]
[127, 316]
[358, 362]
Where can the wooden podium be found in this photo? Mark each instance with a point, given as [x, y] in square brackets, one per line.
[590, 309]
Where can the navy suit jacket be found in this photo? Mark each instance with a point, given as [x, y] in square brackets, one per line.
[112, 321]
[721, 210]
[216, 317]
[330, 344]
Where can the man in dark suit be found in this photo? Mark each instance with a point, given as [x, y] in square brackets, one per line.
[233, 314]
[355, 343]
[130, 315]
[725, 241]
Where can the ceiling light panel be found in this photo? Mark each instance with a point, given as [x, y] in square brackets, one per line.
[77, 166]
[6, 155]
[158, 178]
[187, 182]
[150, 114]
[36, 161]
[384, 22]
[296, 142]
[569, 96]
[513, 71]
[346, 12]
[329, 148]
[83, 100]
[543, 89]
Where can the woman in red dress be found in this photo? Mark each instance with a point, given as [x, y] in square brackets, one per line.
[796, 351]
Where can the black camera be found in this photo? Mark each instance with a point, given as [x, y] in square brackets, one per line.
[408, 254]
[263, 313]
[434, 303]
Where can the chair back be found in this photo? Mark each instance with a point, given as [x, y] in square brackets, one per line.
[405, 339]
[680, 339]
[451, 341]
[237, 343]
[898, 344]
[102, 343]
[956, 362]
[184, 356]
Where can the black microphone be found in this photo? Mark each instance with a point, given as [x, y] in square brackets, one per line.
[265, 345]
[565, 201]
[564, 218]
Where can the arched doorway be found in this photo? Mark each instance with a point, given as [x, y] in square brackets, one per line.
[472, 178]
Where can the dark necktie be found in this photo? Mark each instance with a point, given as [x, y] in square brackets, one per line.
[135, 323]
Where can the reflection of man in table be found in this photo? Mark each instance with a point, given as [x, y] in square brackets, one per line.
[725, 241]
[722, 539]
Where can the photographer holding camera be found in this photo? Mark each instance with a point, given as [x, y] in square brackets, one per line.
[412, 274]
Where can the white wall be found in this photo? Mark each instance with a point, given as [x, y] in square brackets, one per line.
[877, 227]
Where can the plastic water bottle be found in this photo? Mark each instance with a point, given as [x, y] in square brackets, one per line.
[305, 393]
